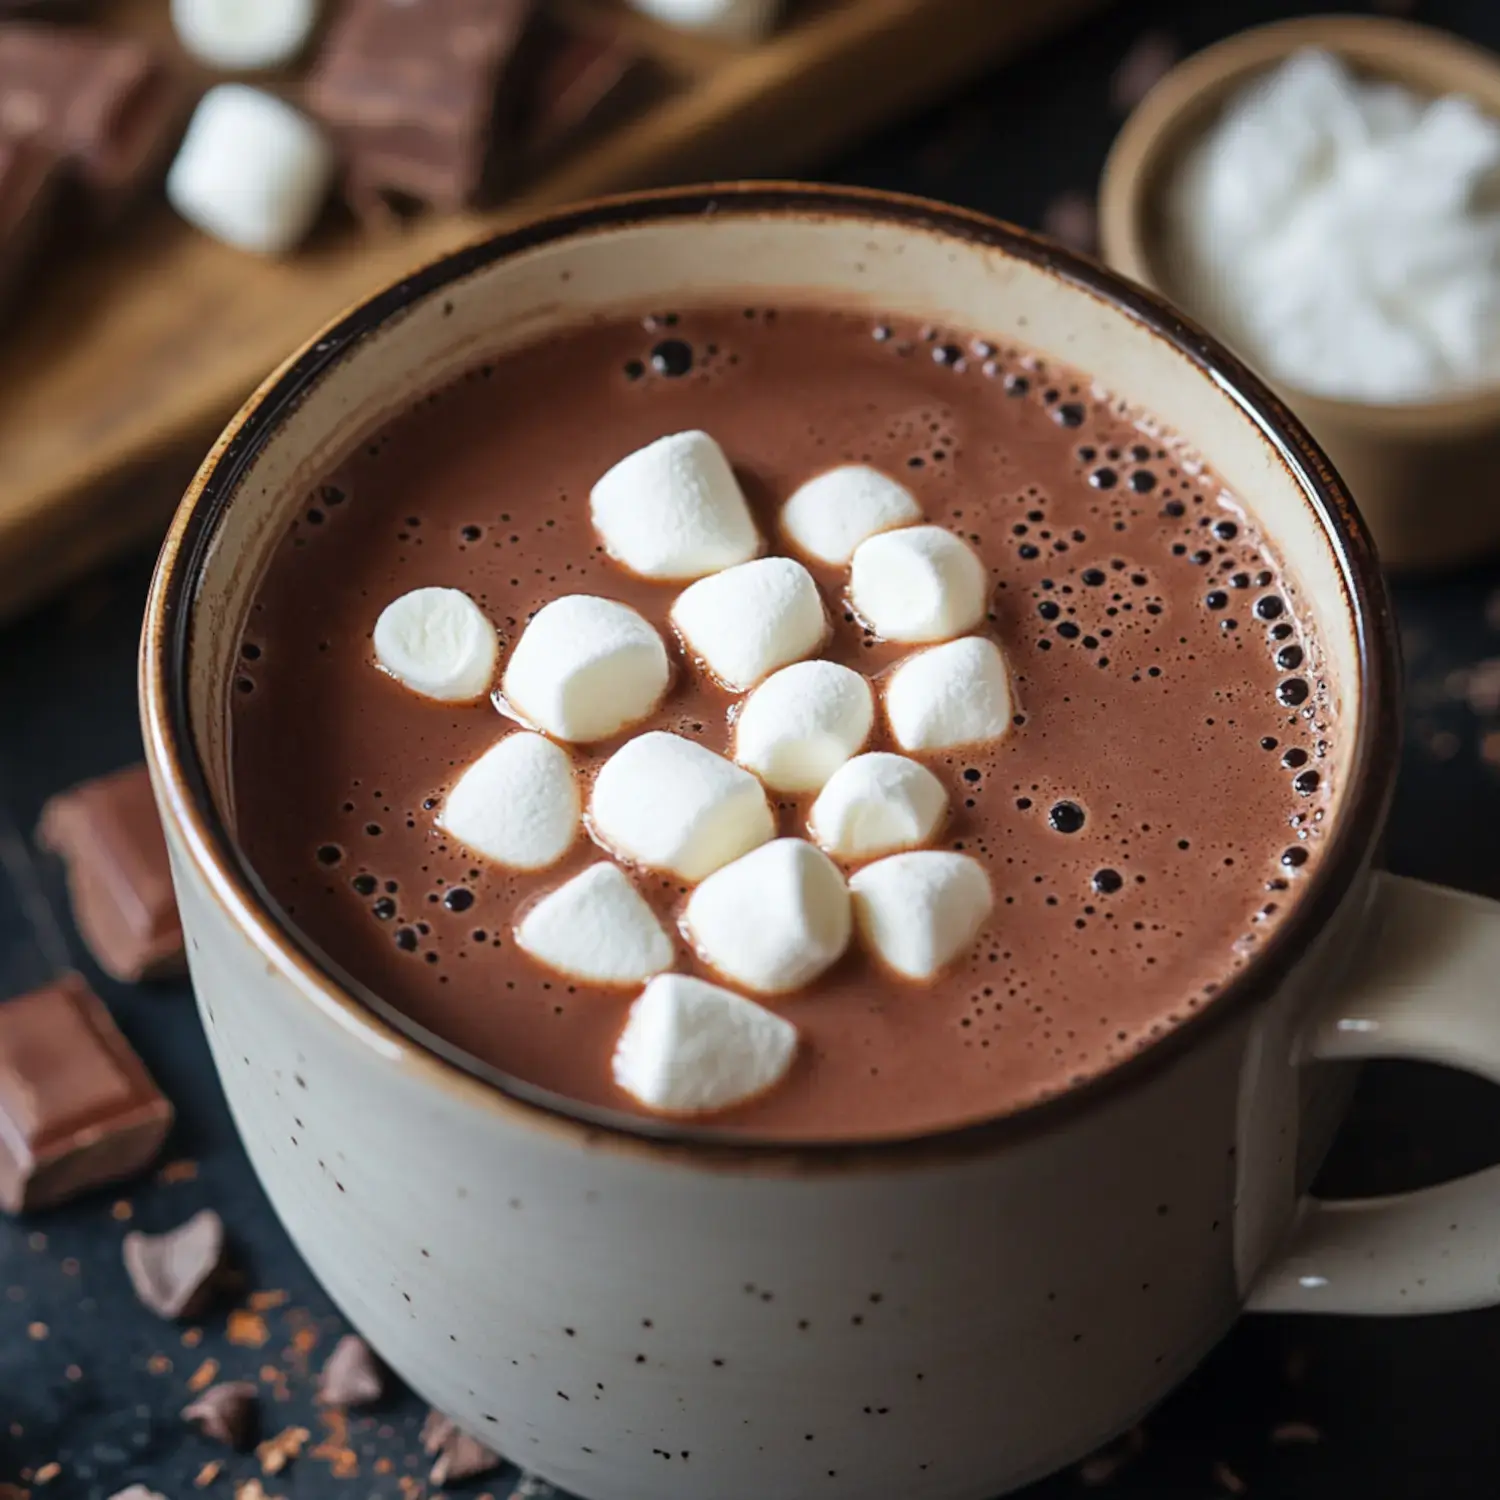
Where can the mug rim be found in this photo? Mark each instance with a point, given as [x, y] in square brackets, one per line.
[182, 785]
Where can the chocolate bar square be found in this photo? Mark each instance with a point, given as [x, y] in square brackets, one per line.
[77, 1107]
[410, 90]
[119, 880]
[105, 104]
[579, 80]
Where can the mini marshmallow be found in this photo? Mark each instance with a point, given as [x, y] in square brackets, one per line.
[831, 515]
[517, 804]
[437, 643]
[597, 927]
[920, 911]
[692, 1048]
[251, 170]
[669, 804]
[748, 620]
[922, 583]
[674, 510]
[774, 920]
[957, 694]
[734, 20]
[244, 35]
[802, 723]
[586, 668]
[876, 804]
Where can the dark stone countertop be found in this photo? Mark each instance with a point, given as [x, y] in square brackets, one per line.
[93, 1383]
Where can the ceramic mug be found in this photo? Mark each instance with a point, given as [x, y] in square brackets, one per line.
[643, 1312]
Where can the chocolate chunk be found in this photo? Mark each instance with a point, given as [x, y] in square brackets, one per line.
[119, 880]
[77, 1107]
[226, 1413]
[174, 1273]
[579, 80]
[415, 96]
[456, 1456]
[28, 189]
[106, 104]
[351, 1375]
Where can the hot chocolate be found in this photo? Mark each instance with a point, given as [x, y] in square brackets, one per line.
[1144, 812]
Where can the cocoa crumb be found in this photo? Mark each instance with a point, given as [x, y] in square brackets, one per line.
[178, 1171]
[265, 1301]
[247, 1329]
[159, 1364]
[121, 1211]
[203, 1376]
[191, 1337]
[1285, 1434]
[277, 1452]
[1228, 1480]
[48, 1472]
[207, 1474]
[37, 1331]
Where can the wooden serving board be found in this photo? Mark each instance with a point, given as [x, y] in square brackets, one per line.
[129, 356]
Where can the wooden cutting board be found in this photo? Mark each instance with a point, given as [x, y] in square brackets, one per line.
[133, 351]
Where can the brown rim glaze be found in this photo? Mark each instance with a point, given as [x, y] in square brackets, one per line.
[372, 1023]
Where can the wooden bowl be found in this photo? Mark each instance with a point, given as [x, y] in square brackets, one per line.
[1423, 473]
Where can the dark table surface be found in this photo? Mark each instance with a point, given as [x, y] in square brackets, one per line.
[92, 1383]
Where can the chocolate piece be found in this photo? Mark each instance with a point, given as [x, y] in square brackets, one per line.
[173, 1273]
[104, 103]
[77, 1107]
[118, 876]
[226, 1413]
[581, 78]
[411, 91]
[351, 1375]
[456, 1456]
[28, 189]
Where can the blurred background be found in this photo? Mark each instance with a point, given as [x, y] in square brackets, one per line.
[188, 190]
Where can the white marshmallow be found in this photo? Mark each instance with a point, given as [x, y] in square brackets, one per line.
[517, 804]
[597, 927]
[774, 920]
[956, 694]
[802, 723]
[734, 20]
[251, 170]
[919, 584]
[691, 1048]
[243, 35]
[748, 620]
[437, 643]
[586, 668]
[666, 803]
[674, 510]
[831, 515]
[876, 804]
[920, 911]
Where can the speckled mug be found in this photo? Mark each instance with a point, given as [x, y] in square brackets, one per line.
[640, 1312]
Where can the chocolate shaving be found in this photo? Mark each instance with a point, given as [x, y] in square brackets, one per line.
[351, 1375]
[226, 1413]
[456, 1455]
[174, 1273]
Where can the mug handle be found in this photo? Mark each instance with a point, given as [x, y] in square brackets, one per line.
[1426, 988]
